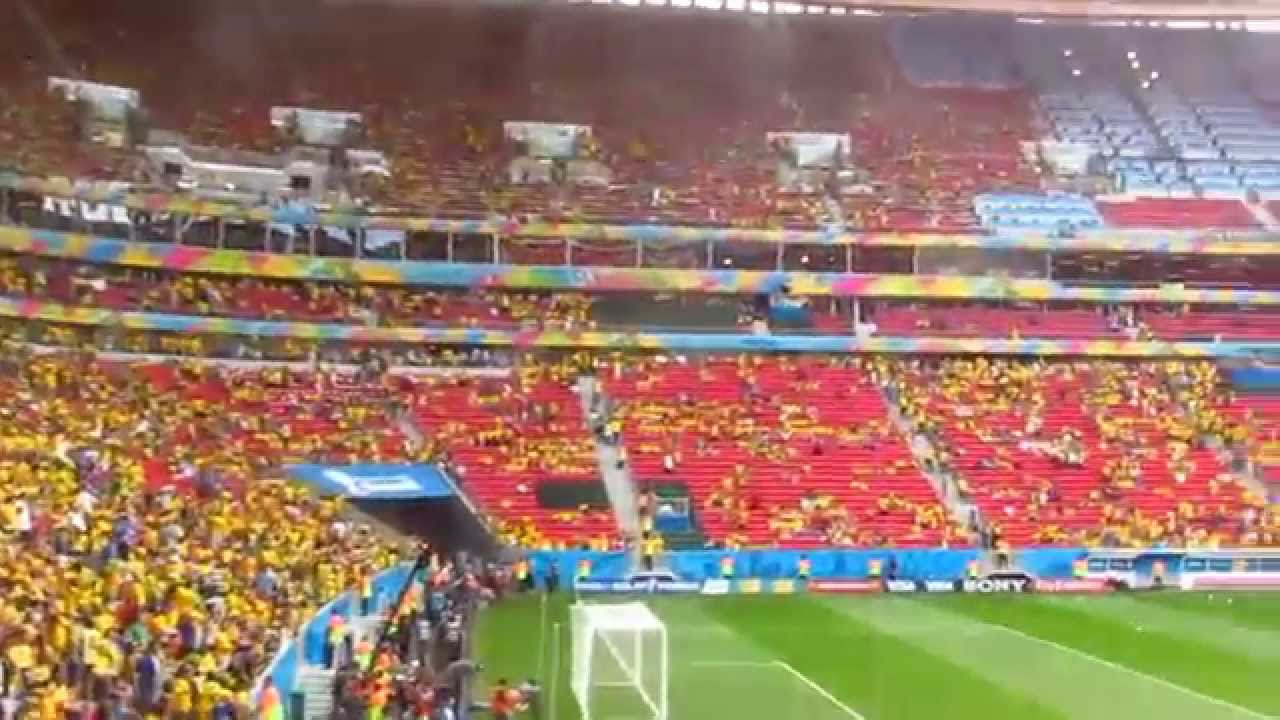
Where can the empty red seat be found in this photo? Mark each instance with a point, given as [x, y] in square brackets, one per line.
[1178, 213]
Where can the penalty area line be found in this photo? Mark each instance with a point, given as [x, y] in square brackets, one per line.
[1168, 684]
[819, 689]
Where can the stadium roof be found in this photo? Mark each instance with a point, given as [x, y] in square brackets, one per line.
[1216, 9]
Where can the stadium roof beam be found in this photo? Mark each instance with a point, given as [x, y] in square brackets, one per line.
[1260, 16]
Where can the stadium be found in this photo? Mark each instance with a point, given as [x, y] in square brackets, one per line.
[639, 360]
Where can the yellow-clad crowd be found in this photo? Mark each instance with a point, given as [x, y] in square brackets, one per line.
[149, 290]
[123, 594]
[785, 418]
[1149, 435]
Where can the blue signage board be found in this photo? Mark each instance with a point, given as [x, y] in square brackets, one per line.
[379, 482]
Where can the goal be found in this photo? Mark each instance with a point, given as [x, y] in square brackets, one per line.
[619, 662]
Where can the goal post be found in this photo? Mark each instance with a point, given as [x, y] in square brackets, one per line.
[619, 662]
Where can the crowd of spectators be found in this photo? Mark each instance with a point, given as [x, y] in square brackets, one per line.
[123, 288]
[505, 437]
[674, 151]
[777, 451]
[302, 352]
[414, 662]
[149, 568]
[146, 570]
[502, 430]
[1011, 462]
[1089, 452]
[154, 558]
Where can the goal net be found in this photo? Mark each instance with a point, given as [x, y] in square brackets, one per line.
[619, 662]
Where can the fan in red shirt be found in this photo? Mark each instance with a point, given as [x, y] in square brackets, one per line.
[423, 701]
[503, 700]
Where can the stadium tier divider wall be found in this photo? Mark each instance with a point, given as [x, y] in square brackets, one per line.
[195, 259]
[34, 310]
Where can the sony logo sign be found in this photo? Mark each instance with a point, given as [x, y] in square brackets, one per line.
[998, 585]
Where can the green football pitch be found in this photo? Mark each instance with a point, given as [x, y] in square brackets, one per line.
[1163, 656]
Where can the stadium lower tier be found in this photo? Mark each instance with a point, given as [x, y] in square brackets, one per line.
[798, 451]
[1092, 452]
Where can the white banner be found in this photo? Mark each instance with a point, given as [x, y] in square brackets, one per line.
[815, 149]
[88, 211]
[555, 140]
[108, 101]
[365, 162]
[317, 127]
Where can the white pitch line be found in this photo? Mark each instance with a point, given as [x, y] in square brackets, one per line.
[1136, 673]
[820, 690]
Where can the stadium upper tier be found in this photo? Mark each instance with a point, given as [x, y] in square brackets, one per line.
[924, 122]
